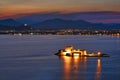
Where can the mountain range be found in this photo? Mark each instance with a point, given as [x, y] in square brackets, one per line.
[10, 24]
[94, 17]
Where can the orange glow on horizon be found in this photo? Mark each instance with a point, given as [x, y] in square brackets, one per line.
[16, 7]
[17, 10]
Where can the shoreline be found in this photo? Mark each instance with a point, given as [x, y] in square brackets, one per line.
[62, 32]
[57, 35]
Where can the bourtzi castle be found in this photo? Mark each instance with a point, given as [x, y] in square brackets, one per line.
[70, 51]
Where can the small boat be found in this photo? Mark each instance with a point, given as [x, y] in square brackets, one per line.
[70, 51]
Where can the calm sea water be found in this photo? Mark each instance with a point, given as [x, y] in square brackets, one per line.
[32, 58]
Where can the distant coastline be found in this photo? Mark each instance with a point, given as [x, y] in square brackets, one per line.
[62, 32]
[59, 27]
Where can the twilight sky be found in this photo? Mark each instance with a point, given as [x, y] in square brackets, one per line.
[14, 8]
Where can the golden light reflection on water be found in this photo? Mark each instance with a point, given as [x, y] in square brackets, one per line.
[75, 68]
[67, 67]
[98, 70]
[72, 66]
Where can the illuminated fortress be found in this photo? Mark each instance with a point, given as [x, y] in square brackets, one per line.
[70, 51]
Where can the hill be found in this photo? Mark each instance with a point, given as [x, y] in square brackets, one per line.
[73, 24]
[8, 24]
[11, 24]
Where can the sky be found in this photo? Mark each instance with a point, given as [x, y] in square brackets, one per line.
[15, 8]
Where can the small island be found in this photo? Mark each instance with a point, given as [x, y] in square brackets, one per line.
[70, 51]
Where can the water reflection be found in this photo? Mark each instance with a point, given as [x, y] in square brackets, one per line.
[98, 70]
[66, 67]
[75, 68]
[72, 67]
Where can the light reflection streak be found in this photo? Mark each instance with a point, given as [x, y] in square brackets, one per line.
[72, 67]
[98, 70]
[67, 67]
[76, 67]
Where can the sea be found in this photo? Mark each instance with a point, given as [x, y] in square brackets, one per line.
[31, 57]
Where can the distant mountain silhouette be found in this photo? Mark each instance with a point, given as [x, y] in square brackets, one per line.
[11, 24]
[95, 17]
[62, 24]
[74, 24]
[8, 24]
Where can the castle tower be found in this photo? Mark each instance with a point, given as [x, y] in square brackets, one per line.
[68, 49]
